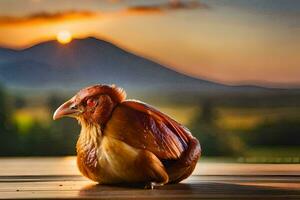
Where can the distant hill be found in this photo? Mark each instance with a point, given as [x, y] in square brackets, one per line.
[88, 61]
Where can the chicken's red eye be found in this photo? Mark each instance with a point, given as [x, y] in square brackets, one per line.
[90, 102]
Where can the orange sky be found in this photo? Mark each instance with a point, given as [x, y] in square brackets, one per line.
[225, 42]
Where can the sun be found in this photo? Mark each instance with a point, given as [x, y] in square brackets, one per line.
[64, 37]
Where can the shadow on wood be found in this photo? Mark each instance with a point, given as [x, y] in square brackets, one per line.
[203, 189]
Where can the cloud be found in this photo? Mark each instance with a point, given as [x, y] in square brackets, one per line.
[143, 10]
[168, 6]
[47, 17]
[42, 17]
[175, 4]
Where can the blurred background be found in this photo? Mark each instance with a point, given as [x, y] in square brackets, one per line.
[228, 70]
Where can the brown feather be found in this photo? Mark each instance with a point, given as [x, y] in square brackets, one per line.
[130, 141]
[116, 93]
[144, 127]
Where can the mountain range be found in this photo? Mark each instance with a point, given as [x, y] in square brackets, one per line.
[90, 61]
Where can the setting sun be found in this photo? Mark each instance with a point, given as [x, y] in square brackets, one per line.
[64, 37]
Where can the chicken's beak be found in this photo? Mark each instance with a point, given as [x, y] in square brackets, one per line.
[68, 109]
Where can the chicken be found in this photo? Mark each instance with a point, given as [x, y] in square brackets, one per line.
[128, 141]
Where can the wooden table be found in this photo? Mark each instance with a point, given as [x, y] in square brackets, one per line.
[53, 178]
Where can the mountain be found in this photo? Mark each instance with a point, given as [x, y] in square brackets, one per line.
[89, 61]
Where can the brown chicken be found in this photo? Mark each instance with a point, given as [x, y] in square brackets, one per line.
[127, 141]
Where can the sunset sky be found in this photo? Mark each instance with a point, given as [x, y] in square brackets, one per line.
[229, 41]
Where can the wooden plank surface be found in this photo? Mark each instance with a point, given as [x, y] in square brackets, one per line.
[53, 178]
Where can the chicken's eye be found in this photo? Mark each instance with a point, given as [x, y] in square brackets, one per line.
[91, 103]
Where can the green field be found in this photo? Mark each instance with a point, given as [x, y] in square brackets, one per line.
[234, 128]
[228, 117]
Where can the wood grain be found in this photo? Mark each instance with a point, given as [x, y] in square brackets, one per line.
[58, 178]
